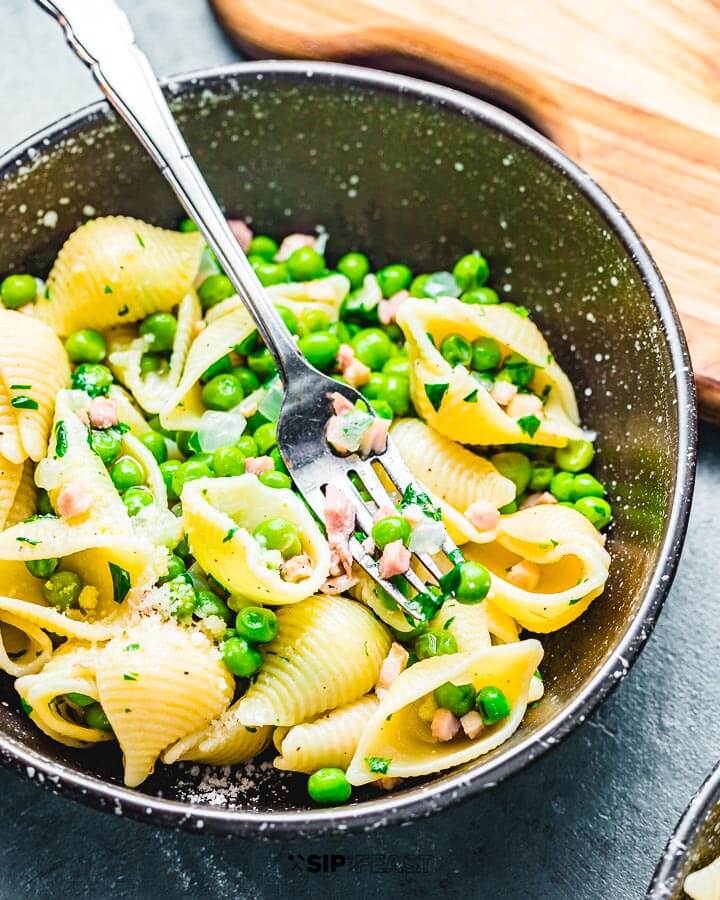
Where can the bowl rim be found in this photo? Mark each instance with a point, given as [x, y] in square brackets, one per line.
[672, 866]
[423, 799]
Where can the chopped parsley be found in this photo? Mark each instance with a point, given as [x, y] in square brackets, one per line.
[359, 536]
[550, 359]
[251, 728]
[123, 311]
[140, 240]
[229, 535]
[378, 765]
[576, 600]
[120, 582]
[20, 387]
[129, 647]
[529, 424]
[22, 401]
[130, 676]
[448, 623]
[107, 289]
[411, 496]
[27, 540]
[47, 293]
[435, 393]
[471, 397]
[546, 393]
[61, 441]
[27, 709]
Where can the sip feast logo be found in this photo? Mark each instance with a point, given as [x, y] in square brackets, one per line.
[316, 862]
[378, 863]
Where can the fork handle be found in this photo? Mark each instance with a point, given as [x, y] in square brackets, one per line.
[100, 34]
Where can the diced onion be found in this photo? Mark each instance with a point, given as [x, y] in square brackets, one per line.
[427, 537]
[220, 429]
[271, 400]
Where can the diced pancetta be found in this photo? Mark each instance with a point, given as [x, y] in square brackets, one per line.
[445, 725]
[395, 560]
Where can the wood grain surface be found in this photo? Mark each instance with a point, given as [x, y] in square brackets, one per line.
[628, 88]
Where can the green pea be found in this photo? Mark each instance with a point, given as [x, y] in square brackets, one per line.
[341, 331]
[159, 329]
[515, 466]
[486, 354]
[595, 509]
[95, 718]
[417, 287]
[393, 389]
[391, 528]
[209, 604]
[136, 498]
[275, 479]
[383, 409]
[222, 366]
[394, 278]
[152, 363]
[156, 445]
[255, 421]
[561, 486]
[240, 656]
[176, 567]
[80, 699]
[434, 642]
[575, 457]
[586, 485]
[474, 583]
[157, 425]
[397, 365]
[183, 599]
[249, 380]
[271, 273]
[458, 698]
[510, 507]
[519, 371]
[248, 343]
[126, 473]
[264, 246]
[223, 392]
[255, 623]
[42, 568]
[86, 346]
[471, 271]
[372, 347]
[312, 320]
[329, 785]
[542, 476]
[279, 534]
[262, 363]
[247, 446]
[288, 317]
[354, 266]
[320, 348]
[228, 461]
[305, 263]
[106, 442]
[187, 225]
[456, 350]
[492, 704]
[44, 506]
[93, 378]
[189, 471]
[62, 589]
[265, 437]
[278, 461]
[482, 296]
[167, 470]
[17, 290]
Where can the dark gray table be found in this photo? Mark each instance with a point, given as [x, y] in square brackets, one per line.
[586, 822]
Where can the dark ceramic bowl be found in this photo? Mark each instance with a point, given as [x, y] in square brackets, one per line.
[694, 843]
[409, 171]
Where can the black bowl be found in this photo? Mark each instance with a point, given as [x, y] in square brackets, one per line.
[694, 843]
[409, 171]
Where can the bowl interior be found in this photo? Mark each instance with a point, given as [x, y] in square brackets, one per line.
[415, 178]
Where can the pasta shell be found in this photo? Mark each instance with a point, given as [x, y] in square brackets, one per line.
[220, 515]
[572, 561]
[33, 364]
[157, 683]
[10, 477]
[704, 884]
[224, 742]
[25, 500]
[328, 652]
[401, 739]
[116, 270]
[465, 411]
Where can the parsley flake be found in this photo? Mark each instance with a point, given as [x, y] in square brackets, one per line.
[378, 765]
[27, 709]
[229, 535]
[22, 401]
[140, 240]
[130, 676]
[131, 647]
[27, 540]
[61, 441]
[120, 582]
[107, 289]
[529, 424]
[20, 387]
[471, 397]
[435, 393]
[123, 311]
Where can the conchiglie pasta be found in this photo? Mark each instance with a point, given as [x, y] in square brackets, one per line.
[10, 477]
[463, 410]
[402, 740]
[572, 565]
[116, 270]
[326, 294]
[328, 652]
[452, 475]
[329, 740]
[25, 500]
[220, 515]
[33, 368]
[158, 682]
[224, 742]
[126, 350]
[704, 884]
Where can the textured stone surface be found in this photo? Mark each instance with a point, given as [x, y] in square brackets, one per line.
[585, 822]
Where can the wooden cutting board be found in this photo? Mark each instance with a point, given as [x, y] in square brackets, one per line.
[628, 88]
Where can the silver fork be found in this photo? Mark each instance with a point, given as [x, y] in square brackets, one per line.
[100, 33]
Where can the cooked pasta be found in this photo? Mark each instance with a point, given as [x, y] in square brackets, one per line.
[163, 584]
[704, 884]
